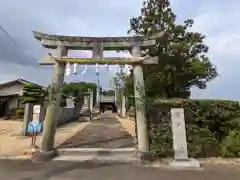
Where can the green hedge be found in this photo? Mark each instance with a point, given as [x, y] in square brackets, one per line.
[212, 127]
[20, 113]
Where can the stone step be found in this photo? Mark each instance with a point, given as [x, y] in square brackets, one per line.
[98, 154]
[97, 151]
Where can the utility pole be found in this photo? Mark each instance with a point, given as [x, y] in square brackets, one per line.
[115, 95]
[98, 88]
[122, 97]
[118, 83]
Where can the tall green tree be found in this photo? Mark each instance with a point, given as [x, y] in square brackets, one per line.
[33, 93]
[109, 92]
[182, 54]
[119, 84]
[119, 80]
[78, 89]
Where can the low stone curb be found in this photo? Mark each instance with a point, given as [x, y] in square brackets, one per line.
[20, 157]
[223, 161]
[162, 163]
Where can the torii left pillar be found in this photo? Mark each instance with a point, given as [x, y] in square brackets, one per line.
[97, 52]
[47, 150]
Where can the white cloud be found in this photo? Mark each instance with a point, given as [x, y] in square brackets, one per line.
[218, 21]
[223, 33]
[90, 18]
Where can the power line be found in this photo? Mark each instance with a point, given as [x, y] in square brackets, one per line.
[16, 44]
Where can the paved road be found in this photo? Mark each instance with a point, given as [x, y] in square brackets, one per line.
[57, 170]
[104, 132]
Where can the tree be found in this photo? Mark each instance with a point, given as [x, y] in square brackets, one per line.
[33, 93]
[119, 80]
[182, 54]
[110, 92]
[119, 83]
[79, 89]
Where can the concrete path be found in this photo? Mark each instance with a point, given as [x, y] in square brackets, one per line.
[128, 124]
[104, 132]
[57, 170]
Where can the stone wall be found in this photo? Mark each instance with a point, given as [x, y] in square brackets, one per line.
[66, 115]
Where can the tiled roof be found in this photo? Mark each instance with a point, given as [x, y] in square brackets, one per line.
[17, 81]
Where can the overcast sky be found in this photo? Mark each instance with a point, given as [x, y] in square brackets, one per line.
[111, 18]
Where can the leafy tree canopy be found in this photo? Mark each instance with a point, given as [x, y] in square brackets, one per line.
[108, 93]
[182, 54]
[78, 89]
[34, 93]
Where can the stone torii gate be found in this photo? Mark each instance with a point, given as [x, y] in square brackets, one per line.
[60, 45]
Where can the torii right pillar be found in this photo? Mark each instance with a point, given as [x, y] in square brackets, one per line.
[139, 89]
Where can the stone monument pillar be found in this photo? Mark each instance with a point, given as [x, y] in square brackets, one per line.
[42, 113]
[28, 116]
[180, 140]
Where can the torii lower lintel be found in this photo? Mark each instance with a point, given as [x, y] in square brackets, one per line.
[50, 60]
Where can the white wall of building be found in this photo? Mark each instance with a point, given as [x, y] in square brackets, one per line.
[12, 89]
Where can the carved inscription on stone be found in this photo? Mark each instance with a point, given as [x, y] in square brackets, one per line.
[179, 134]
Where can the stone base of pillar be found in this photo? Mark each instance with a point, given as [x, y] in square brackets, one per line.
[145, 156]
[118, 111]
[40, 156]
[122, 116]
[185, 164]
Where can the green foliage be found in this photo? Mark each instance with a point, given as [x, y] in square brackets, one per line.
[130, 102]
[230, 146]
[108, 93]
[63, 101]
[160, 133]
[208, 123]
[34, 93]
[119, 82]
[129, 85]
[20, 112]
[118, 98]
[79, 89]
[182, 54]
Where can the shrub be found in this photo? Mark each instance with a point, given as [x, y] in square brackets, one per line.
[201, 141]
[20, 113]
[207, 124]
[160, 133]
[33, 93]
[230, 146]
